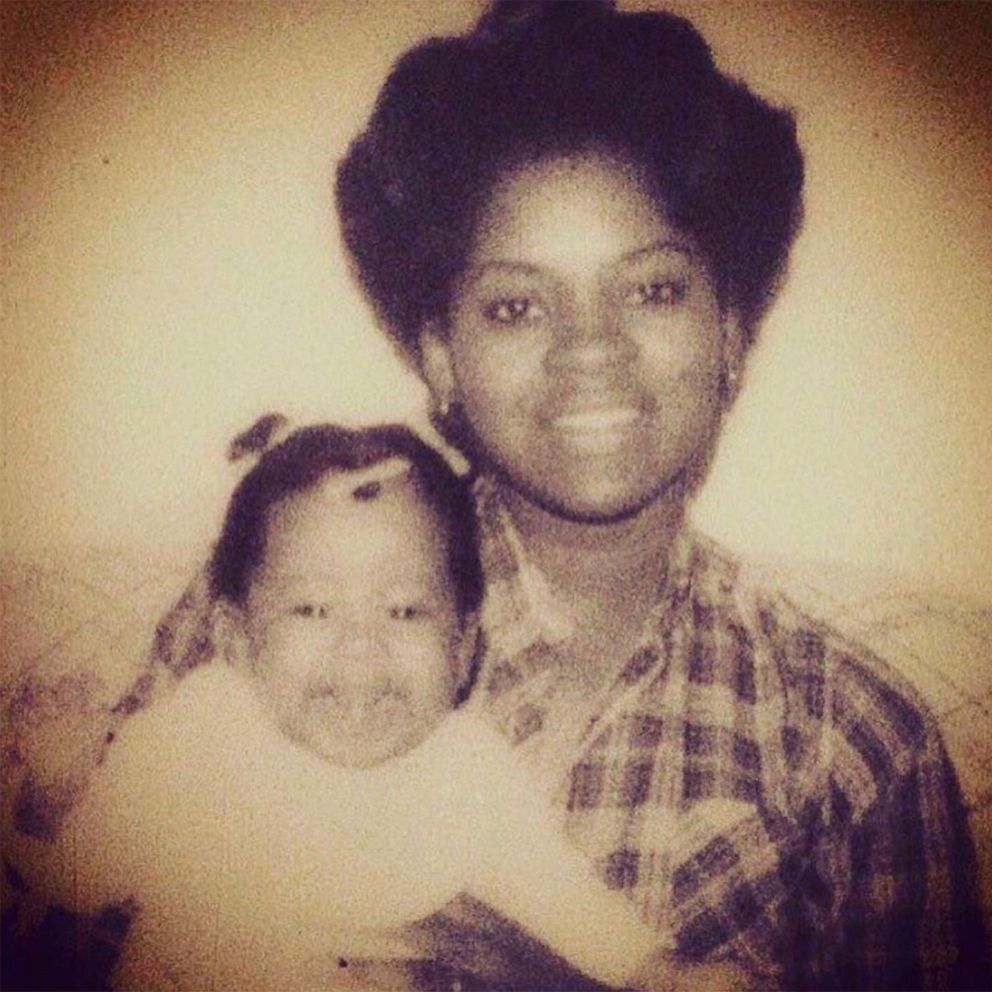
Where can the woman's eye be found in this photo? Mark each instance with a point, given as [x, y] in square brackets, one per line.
[661, 292]
[513, 310]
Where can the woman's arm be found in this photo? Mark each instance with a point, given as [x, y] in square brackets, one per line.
[909, 916]
[471, 938]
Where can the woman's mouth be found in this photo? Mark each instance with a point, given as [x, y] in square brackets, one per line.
[600, 429]
[596, 420]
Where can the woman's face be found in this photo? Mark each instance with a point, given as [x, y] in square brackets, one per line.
[584, 341]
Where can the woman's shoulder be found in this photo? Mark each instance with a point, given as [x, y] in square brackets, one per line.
[842, 688]
[849, 652]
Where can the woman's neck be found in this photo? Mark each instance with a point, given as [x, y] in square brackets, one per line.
[600, 564]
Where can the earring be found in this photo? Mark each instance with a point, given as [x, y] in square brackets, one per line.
[728, 382]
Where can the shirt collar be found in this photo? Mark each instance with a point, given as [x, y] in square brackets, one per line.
[521, 609]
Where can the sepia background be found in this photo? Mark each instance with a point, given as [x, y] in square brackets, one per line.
[172, 269]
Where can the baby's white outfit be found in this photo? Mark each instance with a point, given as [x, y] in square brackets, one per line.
[254, 863]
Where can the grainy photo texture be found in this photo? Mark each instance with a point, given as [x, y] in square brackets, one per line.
[495, 495]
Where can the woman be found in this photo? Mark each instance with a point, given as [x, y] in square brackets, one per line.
[571, 224]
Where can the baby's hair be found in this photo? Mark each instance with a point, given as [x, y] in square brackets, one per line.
[307, 456]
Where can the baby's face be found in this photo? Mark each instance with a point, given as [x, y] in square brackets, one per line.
[354, 634]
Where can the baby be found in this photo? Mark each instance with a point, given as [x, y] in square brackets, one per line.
[295, 805]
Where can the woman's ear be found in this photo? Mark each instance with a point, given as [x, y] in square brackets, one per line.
[435, 361]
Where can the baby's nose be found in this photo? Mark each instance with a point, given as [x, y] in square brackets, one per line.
[358, 662]
[356, 639]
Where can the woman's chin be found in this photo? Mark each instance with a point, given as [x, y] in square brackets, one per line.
[603, 487]
[606, 500]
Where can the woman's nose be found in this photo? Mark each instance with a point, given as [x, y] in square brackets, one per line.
[591, 338]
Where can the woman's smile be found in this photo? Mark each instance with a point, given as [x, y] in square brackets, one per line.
[596, 421]
[598, 429]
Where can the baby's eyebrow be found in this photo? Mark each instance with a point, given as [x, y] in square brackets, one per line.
[301, 585]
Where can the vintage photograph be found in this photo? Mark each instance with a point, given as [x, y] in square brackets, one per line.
[495, 495]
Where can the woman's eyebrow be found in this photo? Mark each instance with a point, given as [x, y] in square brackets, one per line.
[510, 266]
[665, 246]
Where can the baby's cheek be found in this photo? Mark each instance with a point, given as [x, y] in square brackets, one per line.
[432, 667]
[281, 697]
[290, 653]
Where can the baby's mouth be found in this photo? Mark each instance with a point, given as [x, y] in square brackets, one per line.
[377, 705]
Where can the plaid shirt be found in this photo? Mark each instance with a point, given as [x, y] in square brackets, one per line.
[764, 790]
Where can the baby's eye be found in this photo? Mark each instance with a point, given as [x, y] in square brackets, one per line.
[660, 292]
[407, 611]
[309, 610]
[514, 310]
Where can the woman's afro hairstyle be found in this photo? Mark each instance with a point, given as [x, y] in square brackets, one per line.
[541, 78]
[307, 456]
